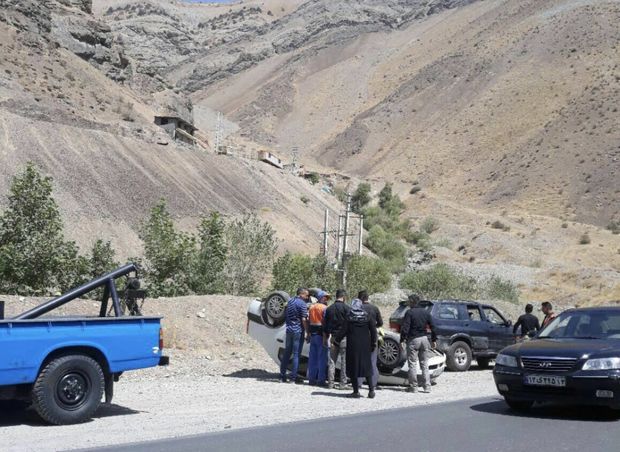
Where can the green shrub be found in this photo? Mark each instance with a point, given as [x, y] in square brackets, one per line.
[388, 247]
[429, 225]
[360, 198]
[210, 257]
[420, 239]
[168, 254]
[35, 258]
[367, 273]
[252, 246]
[497, 288]
[614, 227]
[291, 271]
[440, 282]
[314, 178]
[585, 239]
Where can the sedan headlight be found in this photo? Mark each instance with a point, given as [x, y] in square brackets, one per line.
[602, 364]
[506, 360]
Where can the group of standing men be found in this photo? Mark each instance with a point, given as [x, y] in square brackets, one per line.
[349, 335]
[340, 333]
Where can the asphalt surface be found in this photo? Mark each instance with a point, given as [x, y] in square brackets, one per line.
[470, 425]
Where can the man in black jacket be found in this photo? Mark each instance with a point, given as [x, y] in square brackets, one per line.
[414, 331]
[335, 322]
[528, 323]
[375, 315]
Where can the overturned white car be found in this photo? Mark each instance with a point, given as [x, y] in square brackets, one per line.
[266, 325]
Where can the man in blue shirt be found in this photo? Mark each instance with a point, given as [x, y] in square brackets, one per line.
[296, 325]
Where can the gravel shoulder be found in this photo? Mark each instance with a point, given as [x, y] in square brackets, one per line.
[184, 400]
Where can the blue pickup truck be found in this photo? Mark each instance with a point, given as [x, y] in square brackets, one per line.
[65, 366]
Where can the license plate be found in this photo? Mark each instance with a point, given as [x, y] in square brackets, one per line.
[545, 380]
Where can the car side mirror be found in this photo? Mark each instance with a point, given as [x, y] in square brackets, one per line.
[508, 322]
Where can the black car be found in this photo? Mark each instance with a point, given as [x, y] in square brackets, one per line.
[575, 359]
[465, 330]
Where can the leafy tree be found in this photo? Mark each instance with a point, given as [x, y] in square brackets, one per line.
[291, 271]
[360, 198]
[211, 256]
[169, 254]
[387, 246]
[314, 178]
[34, 256]
[252, 245]
[101, 261]
[441, 281]
[323, 274]
[367, 273]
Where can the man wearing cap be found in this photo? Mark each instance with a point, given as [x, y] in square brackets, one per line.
[414, 331]
[317, 361]
[335, 322]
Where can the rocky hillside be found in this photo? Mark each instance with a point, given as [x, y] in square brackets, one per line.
[67, 104]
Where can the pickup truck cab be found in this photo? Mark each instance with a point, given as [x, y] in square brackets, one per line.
[65, 365]
[465, 330]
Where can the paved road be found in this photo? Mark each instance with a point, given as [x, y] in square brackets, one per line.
[470, 425]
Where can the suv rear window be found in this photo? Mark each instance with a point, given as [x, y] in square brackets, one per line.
[446, 311]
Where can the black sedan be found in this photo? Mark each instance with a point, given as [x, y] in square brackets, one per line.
[575, 359]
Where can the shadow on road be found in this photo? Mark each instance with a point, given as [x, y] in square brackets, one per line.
[12, 414]
[255, 374]
[339, 394]
[551, 411]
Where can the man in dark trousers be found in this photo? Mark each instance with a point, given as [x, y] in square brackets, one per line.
[361, 334]
[374, 314]
[296, 325]
[528, 323]
[414, 332]
[335, 318]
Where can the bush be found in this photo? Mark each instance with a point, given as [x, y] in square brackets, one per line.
[429, 225]
[420, 239]
[314, 178]
[252, 246]
[498, 289]
[367, 273]
[585, 239]
[440, 282]
[35, 259]
[291, 271]
[499, 225]
[614, 227]
[388, 247]
[360, 198]
[101, 261]
[444, 282]
[305, 200]
[210, 257]
[168, 254]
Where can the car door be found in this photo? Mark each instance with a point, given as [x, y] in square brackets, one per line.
[500, 329]
[474, 326]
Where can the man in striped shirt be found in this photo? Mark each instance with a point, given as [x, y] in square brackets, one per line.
[296, 325]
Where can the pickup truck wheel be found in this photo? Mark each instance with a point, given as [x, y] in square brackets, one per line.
[275, 307]
[519, 405]
[68, 390]
[459, 357]
[483, 363]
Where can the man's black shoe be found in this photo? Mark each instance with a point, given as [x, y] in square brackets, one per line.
[299, 381]
[371, 394]
[283, 380]
[355, 395]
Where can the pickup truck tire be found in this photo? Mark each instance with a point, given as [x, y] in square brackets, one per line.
[275, 307]
[459, 357]
[68, 390]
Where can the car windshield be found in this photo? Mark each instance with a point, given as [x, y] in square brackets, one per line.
[584, 325]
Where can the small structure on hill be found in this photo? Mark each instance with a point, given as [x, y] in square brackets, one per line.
[177, 128]
[268, 157]
[175, 115]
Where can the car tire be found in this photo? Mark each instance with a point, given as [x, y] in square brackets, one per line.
[68, 390]
[519, 405]
[390, 354]
[483, 363]
[274, 307]
[459, 357]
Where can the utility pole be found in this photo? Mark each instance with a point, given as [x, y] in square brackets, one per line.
[325, 233]
[361, 233]
[218, 133]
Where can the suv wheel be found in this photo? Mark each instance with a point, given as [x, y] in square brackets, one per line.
[459, 357]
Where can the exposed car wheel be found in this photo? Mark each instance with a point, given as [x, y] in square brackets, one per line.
[483, 363]
[275, 307]
[519, 405]
[390, 354]
[68, 390]
[459, 357]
